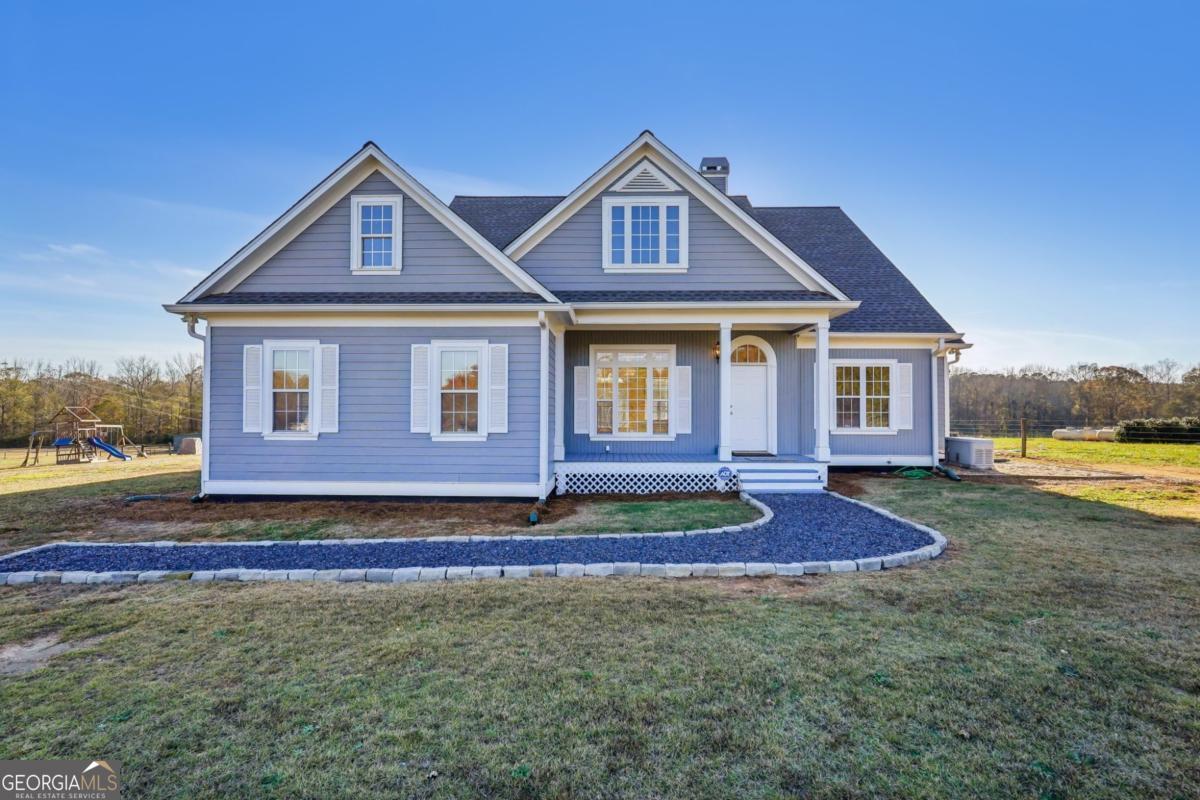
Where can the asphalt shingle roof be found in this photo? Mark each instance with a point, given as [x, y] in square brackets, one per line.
[824, 237]
[371, 298]
[688, 296]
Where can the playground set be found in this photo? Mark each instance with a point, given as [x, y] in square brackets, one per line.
[77, 435]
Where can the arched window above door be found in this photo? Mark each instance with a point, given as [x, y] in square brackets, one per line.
[748, 354]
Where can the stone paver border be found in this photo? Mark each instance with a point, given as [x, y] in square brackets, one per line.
[457, 573]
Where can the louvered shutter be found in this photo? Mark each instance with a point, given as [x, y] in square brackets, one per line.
[330, 367]
[583, 400]
[418, 407]
[497, 388]
[683, 399]
[252, 374]
[902, 398]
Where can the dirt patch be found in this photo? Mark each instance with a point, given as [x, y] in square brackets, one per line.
[778, 586]
[846, 483]
[18, 659]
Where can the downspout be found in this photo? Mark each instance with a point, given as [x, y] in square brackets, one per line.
[191, 321]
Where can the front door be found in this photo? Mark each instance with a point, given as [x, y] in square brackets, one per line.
[749, 430]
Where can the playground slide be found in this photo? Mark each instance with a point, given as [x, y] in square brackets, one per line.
[108, 448]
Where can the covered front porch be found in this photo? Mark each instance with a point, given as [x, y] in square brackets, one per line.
[693, 406]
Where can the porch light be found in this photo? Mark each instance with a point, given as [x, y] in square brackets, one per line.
[716, 350]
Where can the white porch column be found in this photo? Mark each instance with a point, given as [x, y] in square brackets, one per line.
[822, 410]
[560, 388]
[725, 402]
[934, 422]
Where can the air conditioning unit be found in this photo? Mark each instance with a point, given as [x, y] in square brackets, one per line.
[970, 452]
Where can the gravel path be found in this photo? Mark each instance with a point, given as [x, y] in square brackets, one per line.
[806, 527]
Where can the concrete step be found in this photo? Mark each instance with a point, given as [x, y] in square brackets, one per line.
[783, 487]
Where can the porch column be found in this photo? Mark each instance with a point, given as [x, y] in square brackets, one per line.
[725, 401]
[822, 409]
[560, 393]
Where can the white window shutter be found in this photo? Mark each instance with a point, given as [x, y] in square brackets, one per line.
[683, 399]
[328, 420]
[902, 398]
[583, 400]
[252, 400]
[418, 408]
[497, 388]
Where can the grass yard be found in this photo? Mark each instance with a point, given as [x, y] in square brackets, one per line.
[86, 502]
[1184, 458]
[1054, 652]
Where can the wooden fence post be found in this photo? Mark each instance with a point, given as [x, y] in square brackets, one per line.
[1024, 438]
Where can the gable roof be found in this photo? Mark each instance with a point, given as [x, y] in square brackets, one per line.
[337, 184]
[647, 147]
[824, 237]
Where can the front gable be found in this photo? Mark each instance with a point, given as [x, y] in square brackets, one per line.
[312, 247]
[432, 258]
[572, 245]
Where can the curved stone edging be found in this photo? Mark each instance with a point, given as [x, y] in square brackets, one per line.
[563, 570]
[763, 508]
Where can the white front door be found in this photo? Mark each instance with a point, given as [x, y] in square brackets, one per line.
[749, 428]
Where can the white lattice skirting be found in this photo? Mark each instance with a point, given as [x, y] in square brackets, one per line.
[631, 482]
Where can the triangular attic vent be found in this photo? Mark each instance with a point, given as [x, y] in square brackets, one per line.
[645, 177]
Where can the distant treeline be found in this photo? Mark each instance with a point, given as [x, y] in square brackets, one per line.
[152, 400]
[1080, 395]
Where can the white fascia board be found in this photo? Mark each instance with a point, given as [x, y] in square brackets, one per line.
[340, 308]
[323, 196]
[678, 169]
[371, 488]
[837, 305]
[808, 340]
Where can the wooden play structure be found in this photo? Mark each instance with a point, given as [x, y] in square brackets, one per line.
[78, 435]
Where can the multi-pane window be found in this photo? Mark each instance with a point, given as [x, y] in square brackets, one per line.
[646, 233]
[644, 228]
[291, 388]
[632, 392]
[458, 379]
[748, 354]
[862, 396]
[376, 233]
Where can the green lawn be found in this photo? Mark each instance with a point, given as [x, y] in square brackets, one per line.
[1053, 652]
[1101, 453]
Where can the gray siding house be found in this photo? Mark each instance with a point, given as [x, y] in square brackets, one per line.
[647, 332]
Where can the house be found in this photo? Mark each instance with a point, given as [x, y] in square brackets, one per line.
[648, 331]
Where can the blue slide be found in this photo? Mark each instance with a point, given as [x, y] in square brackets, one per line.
[108, 448]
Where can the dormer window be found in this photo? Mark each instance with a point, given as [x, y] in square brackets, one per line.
[645, 234]
[375, 233]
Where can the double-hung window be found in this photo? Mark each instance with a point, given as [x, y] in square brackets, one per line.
[645, 234]
[632, 392]
[460, 386]
[291, 390]
[375, 244]
[862, 396]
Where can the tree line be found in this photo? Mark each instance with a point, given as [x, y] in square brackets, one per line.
[1081, 395]
[153, 400]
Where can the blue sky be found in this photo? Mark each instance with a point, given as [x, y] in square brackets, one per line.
[1033, 167]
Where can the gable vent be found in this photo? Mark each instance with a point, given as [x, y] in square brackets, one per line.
[645, 177]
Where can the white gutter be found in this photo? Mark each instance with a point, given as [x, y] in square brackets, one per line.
[191, 320]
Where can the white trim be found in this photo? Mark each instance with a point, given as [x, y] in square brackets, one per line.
[806, 340]
[383, 320]
[352, 172]
[627, 203]
[774, 316]
[436, 346]
[724, 391]
[206, 410]
[544, 409]
[772, 366]
[934, 429]
[647, 145]
[647, 166]
[861, 363]
[823, 406]
[269, 346]
[945, 396]
[628, 437]
[881, 461]
[373, 488]
[357, 201]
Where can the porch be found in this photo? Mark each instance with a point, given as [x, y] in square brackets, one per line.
[651, 473]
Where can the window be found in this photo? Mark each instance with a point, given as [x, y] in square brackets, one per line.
[632, 392]
[862, 396]
[748, 354]
[291, 389]
[375, 233]
[458, 375]
[645, 234]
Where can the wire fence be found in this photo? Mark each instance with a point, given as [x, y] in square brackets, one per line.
[1071, 430]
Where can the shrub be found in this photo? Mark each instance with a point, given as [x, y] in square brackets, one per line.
[1177, 430]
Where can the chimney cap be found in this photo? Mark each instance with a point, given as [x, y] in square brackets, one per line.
[714, 165]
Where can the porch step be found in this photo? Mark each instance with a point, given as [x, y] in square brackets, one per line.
[793, 478]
